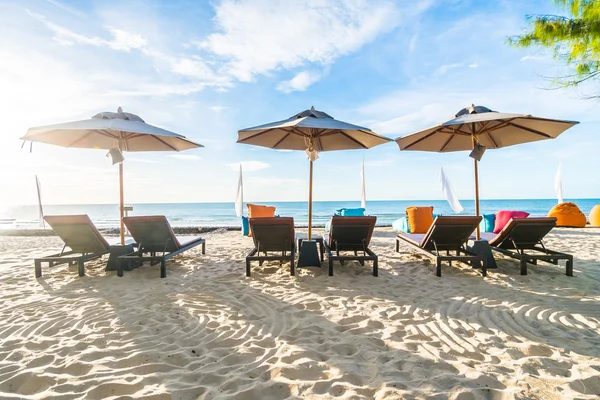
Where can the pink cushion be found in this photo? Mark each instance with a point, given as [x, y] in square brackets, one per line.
[502, 218]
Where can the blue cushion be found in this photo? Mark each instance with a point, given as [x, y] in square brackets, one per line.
[350, 212]
[488, 222]
[245, 226]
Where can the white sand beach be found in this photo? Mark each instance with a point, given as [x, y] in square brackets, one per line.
[208, 332]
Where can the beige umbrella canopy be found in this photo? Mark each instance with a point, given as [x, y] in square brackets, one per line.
[313, 131]
[116, 132]
[478, 127]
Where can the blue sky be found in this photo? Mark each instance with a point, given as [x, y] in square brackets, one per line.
[207, 69]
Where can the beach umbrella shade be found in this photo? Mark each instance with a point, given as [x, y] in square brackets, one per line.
[477, 128]
[312, 131]
[116, 132]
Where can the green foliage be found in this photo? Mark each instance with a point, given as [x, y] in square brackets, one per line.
[575, 39]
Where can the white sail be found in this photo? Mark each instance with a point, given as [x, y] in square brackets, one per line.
[363, 195]
[239, 197]
[38, 186]
[558, 184]
[449, 193]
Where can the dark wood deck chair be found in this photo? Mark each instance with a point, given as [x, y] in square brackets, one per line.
[80, 235]
[351, 234]
[447, 234]
[272, 234]
[154, 235]
[521, 238]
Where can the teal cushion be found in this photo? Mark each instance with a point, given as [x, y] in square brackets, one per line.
[488, 222]
[245, 226]
[352, 212]
[401, 224]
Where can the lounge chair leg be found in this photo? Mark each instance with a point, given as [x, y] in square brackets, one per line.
[119, 267]
[81, 267]
[397, 245]
[375, 267]
[570, 267]
[483, 267]
[247, 267]
[292, 268]
[438, 267]
[163, 268]
[38, 268]
[203, 248]
[330, 267]
[523, 266]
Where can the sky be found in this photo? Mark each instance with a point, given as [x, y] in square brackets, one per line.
[207, 69]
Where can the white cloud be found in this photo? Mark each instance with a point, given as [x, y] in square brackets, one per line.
[300, 82]
[121, 40]
[188, 157]
[192, 68]
[443, 70]
[274, 181]
[141, 160]
[217, 109]
[533, 58]
[249, 165]
[259, 36]
[474, 65]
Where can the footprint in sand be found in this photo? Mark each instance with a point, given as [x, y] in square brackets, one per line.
[590, 385]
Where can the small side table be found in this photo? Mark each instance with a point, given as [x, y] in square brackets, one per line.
[302, 237]
[117, 250]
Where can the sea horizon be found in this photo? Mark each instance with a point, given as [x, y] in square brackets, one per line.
[222, 214]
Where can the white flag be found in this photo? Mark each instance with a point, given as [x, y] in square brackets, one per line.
[38, 186]
[558, 184]
[239, 197]
[449, 193]
[363, 195]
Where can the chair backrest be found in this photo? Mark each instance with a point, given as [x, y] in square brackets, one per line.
[351, 233]
[525, 233]
[273, 233]
[450, 232]
[78, 232]
[153, 232]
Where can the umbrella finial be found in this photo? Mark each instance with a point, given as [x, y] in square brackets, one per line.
[312, 108]
[119, 110]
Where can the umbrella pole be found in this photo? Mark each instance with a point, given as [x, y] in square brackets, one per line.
[310, 190]
[121, 202]
[478, 232]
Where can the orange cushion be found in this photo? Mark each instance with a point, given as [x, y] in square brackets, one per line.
[568, 214]
[595, 215]
[419, 219]
[259, 211]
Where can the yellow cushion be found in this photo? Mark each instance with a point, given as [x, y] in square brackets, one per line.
[419, 219]
[568, 214]
[259, 211]
[595, 215]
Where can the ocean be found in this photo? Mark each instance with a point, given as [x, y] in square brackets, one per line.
[223, 214]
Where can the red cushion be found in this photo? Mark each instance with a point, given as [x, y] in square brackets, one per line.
[502, 218]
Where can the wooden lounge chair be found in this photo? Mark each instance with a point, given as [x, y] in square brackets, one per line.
[523, 236]
[272, 234]
[447, 234]
[351, 234]
[153, 234]
[80, 235]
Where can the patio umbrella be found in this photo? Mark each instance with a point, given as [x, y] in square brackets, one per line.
[116, 132]
[477, 128]
[313, 131]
